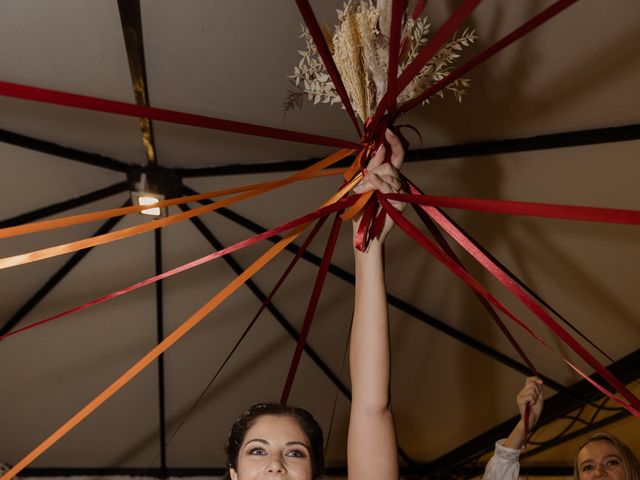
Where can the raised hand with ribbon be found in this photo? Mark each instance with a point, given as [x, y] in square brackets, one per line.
[371, 427]
[382, 174]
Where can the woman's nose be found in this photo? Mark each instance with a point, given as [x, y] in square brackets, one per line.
[600, 471]
[276, 466]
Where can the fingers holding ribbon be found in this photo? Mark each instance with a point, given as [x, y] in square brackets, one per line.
[382, 174]
[532, 395]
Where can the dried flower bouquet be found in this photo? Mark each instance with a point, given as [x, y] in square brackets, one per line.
[360, 50]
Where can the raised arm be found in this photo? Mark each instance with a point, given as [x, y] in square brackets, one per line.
[504, 463]
[372, 448]
[530, 394]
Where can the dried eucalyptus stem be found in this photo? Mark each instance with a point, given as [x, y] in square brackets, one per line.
[360, 49]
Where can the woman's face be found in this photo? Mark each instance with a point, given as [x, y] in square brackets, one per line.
[600, 459]
[275, 447]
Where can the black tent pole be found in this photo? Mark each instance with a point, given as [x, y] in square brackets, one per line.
[56, 277]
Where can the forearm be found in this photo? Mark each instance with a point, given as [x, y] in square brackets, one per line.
[516, 438]
[369, 353]
[372, 448]
[371, 423]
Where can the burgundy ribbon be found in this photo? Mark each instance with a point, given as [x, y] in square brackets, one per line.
[110, 106]
[311, 309]
[427, 52]
[397, 9]
[532, 209]
[417, 11]
[452, 201]
[267, 300]
[373, 218]
[632, 404]
[294, 261]
[434, 250]
[363, 234]
[327, 59]
[489, 52]
[320, 213]
[253, 321]
[528, 301]
[526, 287]
[487, 306]
[527, 414]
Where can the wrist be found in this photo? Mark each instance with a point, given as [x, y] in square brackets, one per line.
[374, 249]
[516, 438]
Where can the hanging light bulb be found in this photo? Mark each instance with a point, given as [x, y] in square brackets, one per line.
[150, 186]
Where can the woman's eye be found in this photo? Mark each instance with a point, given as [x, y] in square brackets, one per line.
[296, 453]
[612, 462]
[587, 468]
[257, 451]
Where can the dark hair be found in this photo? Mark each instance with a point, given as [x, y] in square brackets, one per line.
[629, 460]
[305, 421]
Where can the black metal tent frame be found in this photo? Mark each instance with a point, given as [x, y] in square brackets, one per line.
[462, 462]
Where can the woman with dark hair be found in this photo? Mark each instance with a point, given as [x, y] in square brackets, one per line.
[279, 441]
[304, 448]
[601, 456]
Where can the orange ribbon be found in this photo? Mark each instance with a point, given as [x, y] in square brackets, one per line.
[116, 212]
[309, 172]
[183, 328]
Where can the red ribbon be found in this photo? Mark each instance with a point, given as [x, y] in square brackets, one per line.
[363, 234]
[327, 59]
[372, 221]
[427, 52]
[558, 211]
[266, 302]
[320, 213]
[535, 22]
[524, 297]
[397, 10]
[532, 209]
[417, 11]
[311, 309]
[521, 283]
[377, 126]
[131, 110]
[633, 403]
[487, 306]
[527, 414]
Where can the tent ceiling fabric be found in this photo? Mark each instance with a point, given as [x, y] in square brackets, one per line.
[231, 60]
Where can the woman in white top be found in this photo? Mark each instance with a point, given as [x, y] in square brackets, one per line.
[602, 456]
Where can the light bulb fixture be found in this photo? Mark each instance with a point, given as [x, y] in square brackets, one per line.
[149, 186]
[147, 198]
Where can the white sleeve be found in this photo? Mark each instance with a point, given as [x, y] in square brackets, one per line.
[504, 464]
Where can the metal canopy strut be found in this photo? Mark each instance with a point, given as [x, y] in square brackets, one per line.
[490, 147]
[626, 369]
[65, 205]
[56, 278]
[460, 456]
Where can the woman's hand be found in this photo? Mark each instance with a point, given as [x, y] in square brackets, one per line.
[384, 177]
[531, 394]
